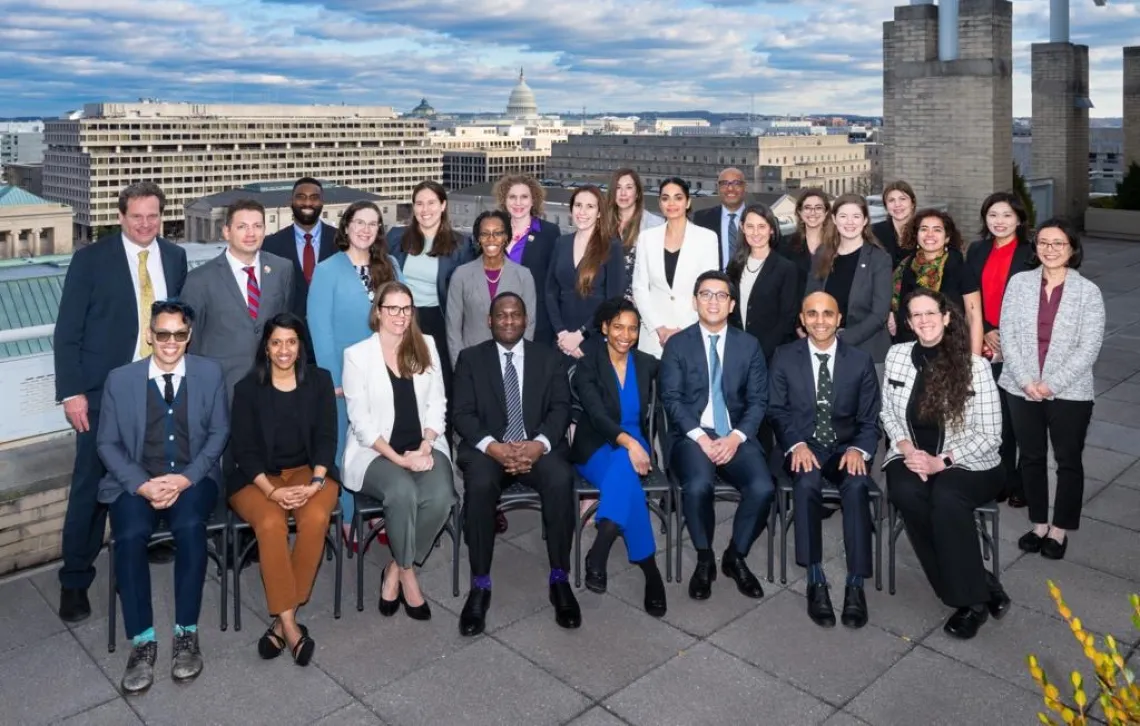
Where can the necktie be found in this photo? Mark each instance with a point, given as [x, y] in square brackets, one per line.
[733, 235]
[516, 431]
[720, 409]
[824, 430]
[146, 299]
[252, 292]
[168, 388]
[308, 259]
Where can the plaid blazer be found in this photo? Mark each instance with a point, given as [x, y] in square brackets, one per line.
[974, 444]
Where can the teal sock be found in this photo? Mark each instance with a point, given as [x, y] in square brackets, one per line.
[182, 630]
[815, 575]
[854, 580]
[146, 636]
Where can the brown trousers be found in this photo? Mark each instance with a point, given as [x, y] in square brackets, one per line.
[288, 576]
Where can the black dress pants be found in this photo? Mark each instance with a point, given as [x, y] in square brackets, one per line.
[86, 519]
[1065, 424]
[807, 512]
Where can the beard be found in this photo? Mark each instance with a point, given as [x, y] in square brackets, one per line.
[307, 216]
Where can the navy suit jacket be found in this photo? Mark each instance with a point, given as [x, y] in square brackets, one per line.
[283, 243]
[122, 425]
[536, 258]
[97, 328]
[684, 381]
[791, 397]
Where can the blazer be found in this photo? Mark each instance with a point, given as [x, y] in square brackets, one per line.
[223, 329]
[567, 309]
[658, 302]
[794, 249]
[338, 312]
[869, 302]
[97, 327]
[710, 219]
[480, 406]
[772, 305]
[792, 397]
[464, 252]
[884, 231]
[975, 443]
[684, 381]
[596, 384]
[536, 258]
[977, 254]
[283, 243]
[1078, 331]
[122, 425]
[368, 395]
[469, 303]
[252, 427]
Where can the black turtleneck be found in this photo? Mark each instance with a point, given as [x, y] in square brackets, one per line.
[928, 435]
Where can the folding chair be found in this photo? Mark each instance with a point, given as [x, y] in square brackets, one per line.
[987, 517]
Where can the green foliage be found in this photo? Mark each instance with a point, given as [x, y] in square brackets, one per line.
[1103, 203]
[1128, 190]
[1022, 192]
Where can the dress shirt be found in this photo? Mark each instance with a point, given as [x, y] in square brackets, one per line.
[830, 351]
[724, 222]
[517, 360]
[157, 280]
[238, 268]
[747, 281]
[156, 374]
[299, 237]
[707, 414]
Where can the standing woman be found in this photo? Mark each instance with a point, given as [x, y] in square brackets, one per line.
[397, 452]
[531, 242]
[626, 217]
[812, 215]
[900, 201]
[670, 258]
[340, 296]
[937, 263]
[586, 269]
[766, 282]
[1003, 251]
[1054, 326]
[851, 267]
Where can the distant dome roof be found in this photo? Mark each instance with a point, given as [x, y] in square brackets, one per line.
[522, 101]
[424, 109]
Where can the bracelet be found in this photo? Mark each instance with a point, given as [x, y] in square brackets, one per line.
[270, 493]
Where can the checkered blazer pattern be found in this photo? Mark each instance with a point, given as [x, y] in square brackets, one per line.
[974, 444]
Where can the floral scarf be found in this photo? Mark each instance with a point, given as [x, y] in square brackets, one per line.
[927, 274]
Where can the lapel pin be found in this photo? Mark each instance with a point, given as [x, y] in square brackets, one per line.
[267, 269]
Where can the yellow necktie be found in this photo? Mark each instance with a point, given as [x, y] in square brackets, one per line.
[146, 299]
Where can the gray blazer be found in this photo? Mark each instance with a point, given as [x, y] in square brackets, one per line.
[1078, 331]
[869, 302]
[223, 329]
[469, 303]
[122, 425]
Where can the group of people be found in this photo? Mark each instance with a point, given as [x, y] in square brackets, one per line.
[326, 361]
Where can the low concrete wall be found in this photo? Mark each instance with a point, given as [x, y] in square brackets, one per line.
[1121, 224]
[34, 481]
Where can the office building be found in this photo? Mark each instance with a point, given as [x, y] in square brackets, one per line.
[31, 226]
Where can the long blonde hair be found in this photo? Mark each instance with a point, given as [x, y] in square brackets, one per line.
[412, 355]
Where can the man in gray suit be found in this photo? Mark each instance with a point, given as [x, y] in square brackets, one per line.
[236, 292]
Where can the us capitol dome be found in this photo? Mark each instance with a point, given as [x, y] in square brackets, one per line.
[522, 103]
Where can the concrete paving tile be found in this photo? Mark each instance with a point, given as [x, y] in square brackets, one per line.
[1130, 477]
[1105, 547]
[1127, 392]
[598, 716]
[842, 718]
[112, 713]
[50, 682]
[25, 617]
[486, 683]
[1123, 439]
[1103, 464]
[1116, 504]
[355, 714]
[1120, 412]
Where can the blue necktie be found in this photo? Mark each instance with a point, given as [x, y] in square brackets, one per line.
[730, 243]
[720, 409]
[516, 431]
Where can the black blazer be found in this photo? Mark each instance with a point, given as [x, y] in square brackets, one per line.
[252, 427]
[885, 232]
[464, 252]
[479, 408]
[773, 304]
[977, 254]
[567, 309]
[791, 397]
[596, 385]
[795, 250]
[283, 243]
[536, 258]
[96, 329]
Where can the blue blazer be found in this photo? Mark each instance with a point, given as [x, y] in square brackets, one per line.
[536, 258]
[791, 397]
[464, 252]
[684, 381]
[283, 243]
[567, 309]
[337, 313]
[122, 425]
[96, 329]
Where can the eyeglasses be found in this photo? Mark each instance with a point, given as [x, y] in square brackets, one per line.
[925, 314]
[401, 311]
[164, 336]
[1051, 245]
[730, 184]
[709, 296]
[497, 234]
[813, 209]
[361, 224]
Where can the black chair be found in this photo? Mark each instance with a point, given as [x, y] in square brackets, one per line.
[987, 517]
[515, 496]
[214, 525]
[334, 550]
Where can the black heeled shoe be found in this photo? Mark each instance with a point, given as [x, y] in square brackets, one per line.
[388, 608]
[416, 612]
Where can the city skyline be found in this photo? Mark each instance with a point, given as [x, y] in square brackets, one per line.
[726, 56]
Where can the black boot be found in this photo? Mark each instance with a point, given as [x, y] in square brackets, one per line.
[599, 554]
[654, 587]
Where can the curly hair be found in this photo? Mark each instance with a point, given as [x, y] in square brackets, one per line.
[537, 195]
[949, 374]
[954, 239]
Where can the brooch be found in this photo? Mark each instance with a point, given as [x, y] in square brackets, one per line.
[530, 238]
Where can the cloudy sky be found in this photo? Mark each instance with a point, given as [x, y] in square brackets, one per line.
[790, 56]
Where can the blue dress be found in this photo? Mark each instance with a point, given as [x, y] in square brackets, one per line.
[611, 471]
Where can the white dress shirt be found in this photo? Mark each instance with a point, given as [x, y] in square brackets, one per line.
[240, 277]
[830, 351]
[156, 374]
[747, 281]
[707, 421]
[517, 360]
[157, 282]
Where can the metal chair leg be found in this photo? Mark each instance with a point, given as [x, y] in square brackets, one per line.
[877, 513]
[578, 520]
[455, 535]
[785, 517]
[996, 543]
[223, 615]
[892, 543]
[357, 526]
[338, 547]
[112, 600]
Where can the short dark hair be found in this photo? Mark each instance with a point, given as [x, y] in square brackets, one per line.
[172, 307]
[141, 190]
[263, 365]
[1018, 208]
[243, 205]
[484, 216]
[504, 296]
[714, 275]
[676, 180]
[1070, 232]
[610, 309]
[308, 180]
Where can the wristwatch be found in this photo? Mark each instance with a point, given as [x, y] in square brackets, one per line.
[947, 461]
[318, 480]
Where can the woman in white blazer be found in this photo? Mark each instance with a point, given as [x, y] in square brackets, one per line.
[396, 452]
[669, 259]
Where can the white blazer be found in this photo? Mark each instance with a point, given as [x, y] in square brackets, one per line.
[371, 414]
[658, 303]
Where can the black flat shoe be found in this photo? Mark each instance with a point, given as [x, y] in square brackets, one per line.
[854, 613]
[595, 577]
[735, 568]
[73, 605]
[566, 611]
[417, 612]
[1029, 542]
[819, 606]
[1052, 549]
[473, 618]
[303, 650]
[999, 601]
[964, 623]
[1016, 501]
[700, 584]
[388, 608]
[271, 645]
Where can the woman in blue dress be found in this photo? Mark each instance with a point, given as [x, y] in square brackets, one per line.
[613, 383]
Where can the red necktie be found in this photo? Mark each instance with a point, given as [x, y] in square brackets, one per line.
[308, 259]
[252, 292]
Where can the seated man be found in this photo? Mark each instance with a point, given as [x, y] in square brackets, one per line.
[511, 411]
[714, 389]
[161, 433]
[824, 406]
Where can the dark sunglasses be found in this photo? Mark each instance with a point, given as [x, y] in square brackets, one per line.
[164, 336]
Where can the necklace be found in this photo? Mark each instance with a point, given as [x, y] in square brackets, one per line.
[749, 267]
[495, 280]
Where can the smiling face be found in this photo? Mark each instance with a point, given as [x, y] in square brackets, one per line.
[363, 228]
[283, 348]
[245, 233]
[621, 332]
[713, 303]
[507, 321]
[625, 193]
[932, 237]
[899, 206]
[757, 232]
[813, 212]
[927, 322]
[1053, 248]
[168, 352]
[519, 201]
[307, 204]
[395, 311]
[492, 236]
[850, 221]
[731, 187]
[143, 220]
[428, 209]
[820, 317]
[674, 201]
[1001, 221]
[586, 208]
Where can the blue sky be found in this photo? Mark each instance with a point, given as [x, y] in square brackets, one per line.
[791, 56]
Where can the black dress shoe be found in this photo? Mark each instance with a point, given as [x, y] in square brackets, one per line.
[999, 601]
[733, 566]
[566, 611]
[1016, 501]
[964, 623]
[388, 608]
[595, 577]
[1029, 542]
[1052, 549]
[819, 606]
[73, 605]
[854, 607]
[161, 553]
[700, 584]
[473, 618]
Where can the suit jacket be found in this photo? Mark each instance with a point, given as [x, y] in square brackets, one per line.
[869, 302]
[464, 252]
[283, 243]
[596, 384]
[658, 302]
[223, 329]
[979, 252]
[684, 381]
[122, 425]
[792, 397]
[96, 329]
[252, 427]
[536, 258]
[710, 219]
[338, 312]
[567, 309]
[884, 231]
[772, 305]
[480, 406]
[469, 303]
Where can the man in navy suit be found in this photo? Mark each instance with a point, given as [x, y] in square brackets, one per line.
[824, 406]
[306, 242]
[714, 390]
[724, 219]
[103, 315]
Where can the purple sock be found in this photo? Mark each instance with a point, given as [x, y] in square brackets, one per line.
[558, 575]
[481, 581]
